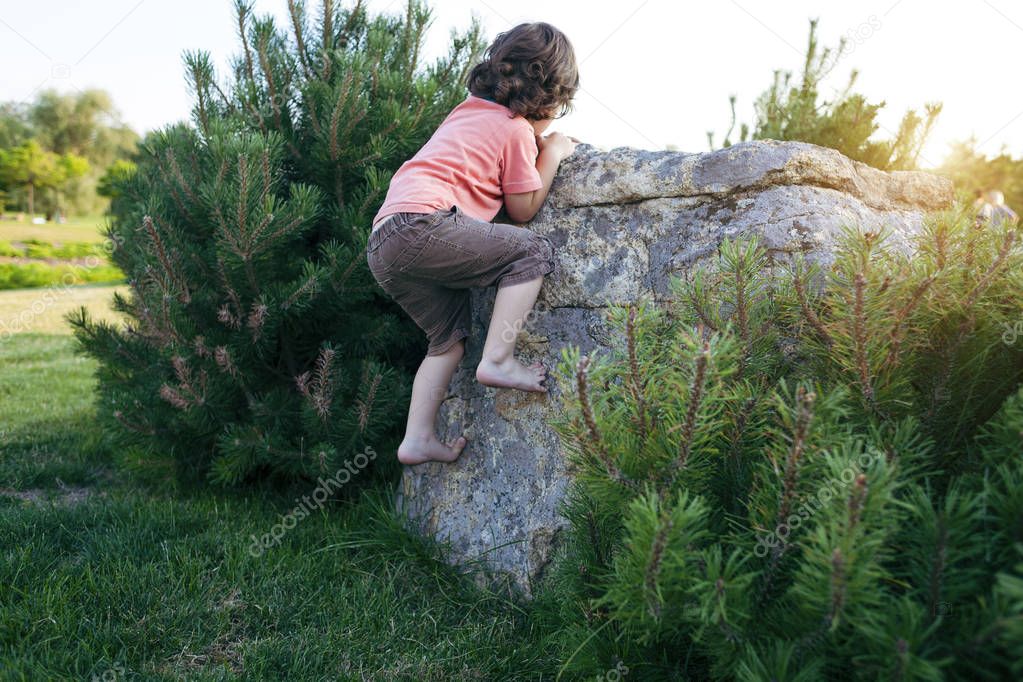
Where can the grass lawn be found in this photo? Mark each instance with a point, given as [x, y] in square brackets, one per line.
[106, 576]
[41, 310]
[76, 229]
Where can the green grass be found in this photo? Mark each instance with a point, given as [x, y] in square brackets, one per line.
[42, 310]
[76, 229]
[106, 574]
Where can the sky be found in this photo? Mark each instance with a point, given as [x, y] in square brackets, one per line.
[653, 73]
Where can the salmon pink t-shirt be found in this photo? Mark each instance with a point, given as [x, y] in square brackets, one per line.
[478, 154]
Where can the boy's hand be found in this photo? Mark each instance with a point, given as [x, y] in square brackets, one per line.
[559, 144]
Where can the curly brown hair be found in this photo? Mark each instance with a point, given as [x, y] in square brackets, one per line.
[530, 69]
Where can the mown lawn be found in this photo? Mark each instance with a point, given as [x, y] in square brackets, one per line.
[76, 229]
[104, 575]
[41, 310]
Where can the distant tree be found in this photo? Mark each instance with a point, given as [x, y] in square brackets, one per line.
[846, 123]
[14, 126]
[71, 167]
[32, 167]
[85, 124]
[972, 170]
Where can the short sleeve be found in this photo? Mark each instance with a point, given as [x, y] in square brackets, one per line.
[518, 163]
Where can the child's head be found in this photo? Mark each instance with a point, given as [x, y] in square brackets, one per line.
[530, 69]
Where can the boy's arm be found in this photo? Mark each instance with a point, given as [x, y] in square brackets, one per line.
[529, 160]
[523, 206]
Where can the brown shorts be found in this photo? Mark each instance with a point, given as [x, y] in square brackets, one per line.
[427, 262]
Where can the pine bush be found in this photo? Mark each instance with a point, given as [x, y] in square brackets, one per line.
[258, 345]
[799, 472]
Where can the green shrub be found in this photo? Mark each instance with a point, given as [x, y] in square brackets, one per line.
[847, 121]
[35, 248]
[67, 250]
[260, 345]
[803, 473]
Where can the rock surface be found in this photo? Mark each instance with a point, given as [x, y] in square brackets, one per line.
[622, 222]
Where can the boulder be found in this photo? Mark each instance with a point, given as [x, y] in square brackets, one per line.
[622, 222]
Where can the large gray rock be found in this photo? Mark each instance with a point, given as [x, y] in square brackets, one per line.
[622, 223]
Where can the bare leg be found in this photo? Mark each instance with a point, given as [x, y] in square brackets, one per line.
[428, 391]
[498, 367]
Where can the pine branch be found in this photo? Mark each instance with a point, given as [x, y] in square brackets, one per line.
[201, 84]
[838, 584]
[308, 285]
[184, 185]
[364, 407]
[243, 10]
[804, 415]
[950, 348]
[654, 564]
[938, 567]
[996, 266]
[895, 340]
[860, 339]
[224, 313]
[636, 384]
[346, 31]
[271, 85]
[413, 36]
[142, 427]
[267, 175]
[856, 501]
[256, 319]
[172, 189]
[739, 427]
[327, 39]
[184, 295]
[190, 391]
[296, 12]
[808, 311]
[813, 639]
[321, 389]
[743, 317]
[242, 212]
[596, 441]
[689, 425]
[699, 310]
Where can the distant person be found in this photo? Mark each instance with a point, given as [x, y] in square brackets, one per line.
[992, 209]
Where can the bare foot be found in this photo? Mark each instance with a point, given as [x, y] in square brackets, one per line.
[419, 450]
[512, 374]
